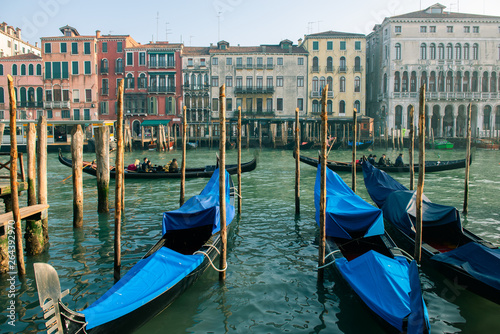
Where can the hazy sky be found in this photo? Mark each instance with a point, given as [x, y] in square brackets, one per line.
[197, 22]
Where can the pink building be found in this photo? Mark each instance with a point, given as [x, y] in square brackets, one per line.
[71, 82]
[26, 69]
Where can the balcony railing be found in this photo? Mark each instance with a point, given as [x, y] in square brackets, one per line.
[260, 66]
[239, 66]
[254, 90]
[269, 66]
[161, 65]
[104, 91]
[342, 69]
[358, 68]
[161, 89]
[329, 69]
[104, 70]
[315, 69]
[26, 104]
[119, 69]
[258, 113]
[55, 104]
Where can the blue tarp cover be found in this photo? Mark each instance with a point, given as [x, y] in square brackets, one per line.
[346, 212]
[478, 260]
[148, 279]
[384, 285]
[202, 209]
[399, 204]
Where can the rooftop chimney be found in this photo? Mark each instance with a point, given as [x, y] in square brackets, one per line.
[97, 33]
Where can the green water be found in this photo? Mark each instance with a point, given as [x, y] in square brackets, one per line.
[271, 284]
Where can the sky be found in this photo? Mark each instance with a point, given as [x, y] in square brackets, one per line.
[201, 22]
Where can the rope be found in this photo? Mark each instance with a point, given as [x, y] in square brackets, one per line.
[331, 253]
[210, 260]
[408, 256]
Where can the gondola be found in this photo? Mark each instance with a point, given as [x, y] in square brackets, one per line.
[469, 260]
[361, 145]
[305, 145]
[367, 259]
[202, 172]
[430, 166]
[189, 244]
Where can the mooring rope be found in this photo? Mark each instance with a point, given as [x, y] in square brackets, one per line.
[331, 253]
[210, 260]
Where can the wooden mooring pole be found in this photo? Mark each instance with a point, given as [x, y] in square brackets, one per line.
[119, 184]
[239, 161]
[410, 149]
[42, 170]
[102, 172]
[222, 182]
[77, 167]
[183, 163]
[13, 180]
[467, 161]
[354, 141]
[322, 205]
[421, 176]
[297, 162]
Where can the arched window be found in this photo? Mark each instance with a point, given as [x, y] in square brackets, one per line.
[105, 66]
[484, 83]
[493, 82]
[342, 84]
[466, 51]
[23, 69]
[398, 116]
[398, 51]
[186, 80]
[413, 81]
[14, 69]
[39, 69]
[342, 107]
[458, 51]
[31, 69]
[449, 81]
[432, 82]
[119, 66]
[397, 82]
[404, 82]
[449, 51]
[432, 49]
[31, 96]
[441, 81]
[23, 96]
[423, 79]
[441, 51]
[39, 95]
[187, 101]
[129, 83]
[357, 84]
[465, 82]
[315, 106]
[423, 51]
[329, 106]
[357, 106]
[474, 82]
[385, 83]
[329, 82]
[475, 51]
[193, 80]
[329, 64]
[343, 64]
[315, 86]
[315, 65]
[458, 82]
[357, 64]
[322, 83]
[142, 81]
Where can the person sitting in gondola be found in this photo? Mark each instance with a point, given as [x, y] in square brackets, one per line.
[371, 159]
[173, 167]
[144, 165]
[133, 167]
[399, 161]
[382, 161]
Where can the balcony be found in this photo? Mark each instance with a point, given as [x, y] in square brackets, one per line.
[358, 68]
[315, 69]
[269, 66]
[254, 90]
[329, 69]
[161, 65]
[260, 66]
[26, 104]
[105, 70]
[162, 89]
[258, 113]
[119, 70]
[104, 91]
[55, 104]
[342, 69]
[239, 66]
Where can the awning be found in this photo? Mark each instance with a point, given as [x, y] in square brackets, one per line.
[155, 122]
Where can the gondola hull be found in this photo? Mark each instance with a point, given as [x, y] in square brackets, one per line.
[430, 166]
[202, 172]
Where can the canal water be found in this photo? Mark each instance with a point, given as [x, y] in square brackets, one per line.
[271, 284]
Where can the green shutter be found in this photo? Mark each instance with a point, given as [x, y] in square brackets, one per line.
[38, 69]
[64, 48]
[342, 45]
[1, 95]
[87, 67]
[56, 70]
[65, 74]
[48, 48]
[87, 48]
[48, 70]
[315, 45]
[74, 66]
[119, 47]
[74, 48]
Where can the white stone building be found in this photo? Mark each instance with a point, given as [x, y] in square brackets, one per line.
[456, 55]
[11, 43]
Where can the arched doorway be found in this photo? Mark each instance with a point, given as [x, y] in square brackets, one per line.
[448, 121]
[461, 121]
[435, 120]
[136, 127]
[398, 119]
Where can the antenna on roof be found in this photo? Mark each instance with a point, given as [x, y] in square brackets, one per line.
[157, 20]
[167, 31]
[218, 26]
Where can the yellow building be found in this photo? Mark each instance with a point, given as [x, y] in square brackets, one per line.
[337, 59]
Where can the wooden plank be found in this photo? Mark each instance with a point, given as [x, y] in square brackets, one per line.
[26, 212]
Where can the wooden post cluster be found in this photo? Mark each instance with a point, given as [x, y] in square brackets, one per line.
[77, 168]
[412, 146]
[467, 161]
[297, 162]
[322, 206]
[183, 164]
[102, 171]
[119, 184]
[240, 198]
[13, 180]
[354, 141]
[222, 181]
[421, 176]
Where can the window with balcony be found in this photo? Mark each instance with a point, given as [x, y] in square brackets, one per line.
[458, 51]
[329, 64]
[449, 51]
[269, 82]
[270, 62]
[475, 51]
[141, 82]
[129, 82]
[315, 85]
[119, 66]
[239, 82]
[249, 82]
[260, 62]
[249, 62]
[343, 65]
[342, 84]
[398, 51]
[357, 64]
[269, 104]
[466, 51]
[441, 51]
[397, 82]
[315, 64]
[315, 106]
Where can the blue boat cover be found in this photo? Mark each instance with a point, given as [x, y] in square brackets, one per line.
[148, 279]
[478, 260]
[384, 285]
[399, 204]
[202, 209]
[417, 305]
[346, 212]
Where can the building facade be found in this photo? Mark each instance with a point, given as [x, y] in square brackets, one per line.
[336, 59]
[457, 57]
[11, 43]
